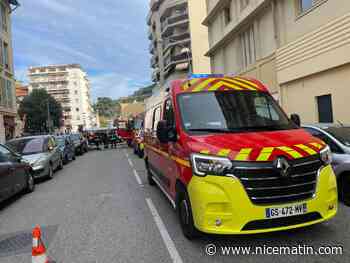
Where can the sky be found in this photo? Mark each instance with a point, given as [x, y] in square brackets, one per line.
[107, 37]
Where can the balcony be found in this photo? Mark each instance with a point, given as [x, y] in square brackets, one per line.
[149, 17]
[176, 59]
[150, 33]
[176, 40]
[152, 47]
[154, 61]
[174, 20]
[156, 75]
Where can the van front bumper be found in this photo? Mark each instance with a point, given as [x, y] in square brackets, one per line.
[224, 199]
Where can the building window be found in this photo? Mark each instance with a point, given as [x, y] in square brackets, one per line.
[6, 56]
[77, 100]
[244, 3]
[77, 109]
[306, 5]
[248, 46]
[75, 92]
[3, 17]
[325, 109]
[227, 14]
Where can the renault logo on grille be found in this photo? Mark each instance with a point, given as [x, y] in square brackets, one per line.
[282, 166]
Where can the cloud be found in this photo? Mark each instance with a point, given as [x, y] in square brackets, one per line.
[107, 37]
[115, 85]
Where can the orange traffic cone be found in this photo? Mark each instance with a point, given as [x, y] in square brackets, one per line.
[38, 249]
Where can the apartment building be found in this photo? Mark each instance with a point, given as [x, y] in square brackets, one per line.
[69, 85]
[299, 48]
[170, 33]
[8, 107]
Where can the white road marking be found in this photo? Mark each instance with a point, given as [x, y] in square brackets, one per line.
[138, 179]
[174, 254]
[130, 162]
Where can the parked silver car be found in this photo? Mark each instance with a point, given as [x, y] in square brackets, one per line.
[338, 139]
[41, 152]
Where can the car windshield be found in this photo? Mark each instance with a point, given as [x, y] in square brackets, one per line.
[60, 141]
[231, 112]
[340, 133]
[27, 146]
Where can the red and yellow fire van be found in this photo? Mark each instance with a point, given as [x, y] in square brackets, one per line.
[230, 160]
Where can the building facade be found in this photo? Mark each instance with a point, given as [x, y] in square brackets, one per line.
[8, 109]
[299, 48]
[69, 85]
[178, 41]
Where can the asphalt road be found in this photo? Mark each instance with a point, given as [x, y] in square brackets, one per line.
[100, 209]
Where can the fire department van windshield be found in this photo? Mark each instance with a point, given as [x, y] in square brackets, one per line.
[232, 162]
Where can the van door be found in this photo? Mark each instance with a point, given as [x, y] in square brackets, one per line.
[170, 168]
[156, 154]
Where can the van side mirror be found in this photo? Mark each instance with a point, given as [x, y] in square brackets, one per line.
[162, 132]
[165, 133]
[296, 119]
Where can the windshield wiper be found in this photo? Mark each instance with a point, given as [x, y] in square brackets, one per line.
[209, 130]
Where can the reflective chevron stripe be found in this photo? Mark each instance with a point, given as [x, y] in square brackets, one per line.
[243, 154]
[317, 145]
[291, 152]
[265, 154]
[306, 149]
[224, 152]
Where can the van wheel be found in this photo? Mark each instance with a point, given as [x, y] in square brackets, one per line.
[184, 211]
[149, 176]
[345, 189]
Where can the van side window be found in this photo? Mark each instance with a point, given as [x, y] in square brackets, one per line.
[156, 118]
[169, 113]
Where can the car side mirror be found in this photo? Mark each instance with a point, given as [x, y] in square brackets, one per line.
[296, 119]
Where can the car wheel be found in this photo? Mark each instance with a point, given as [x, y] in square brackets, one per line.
[184, 210]
[30, 187]
[345, 189]
[50, 173]
[66, 159]
[74, 157]
[60, 165]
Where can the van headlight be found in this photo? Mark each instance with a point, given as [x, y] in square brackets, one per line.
[203, 165]
[326, 155]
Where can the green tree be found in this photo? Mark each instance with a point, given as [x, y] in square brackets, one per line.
[35, 107]
[107, 107]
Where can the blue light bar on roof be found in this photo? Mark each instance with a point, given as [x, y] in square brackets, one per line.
[203, 76]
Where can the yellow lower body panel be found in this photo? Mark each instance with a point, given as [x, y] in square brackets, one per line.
[224, 198]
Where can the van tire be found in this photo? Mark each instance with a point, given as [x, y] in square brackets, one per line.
[344, 189]
[184, 211]
[149, 175]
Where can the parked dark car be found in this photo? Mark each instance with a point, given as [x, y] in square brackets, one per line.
[67, 148]
[338, 139]
[15, 174]
[80, 143]
[41, 152]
